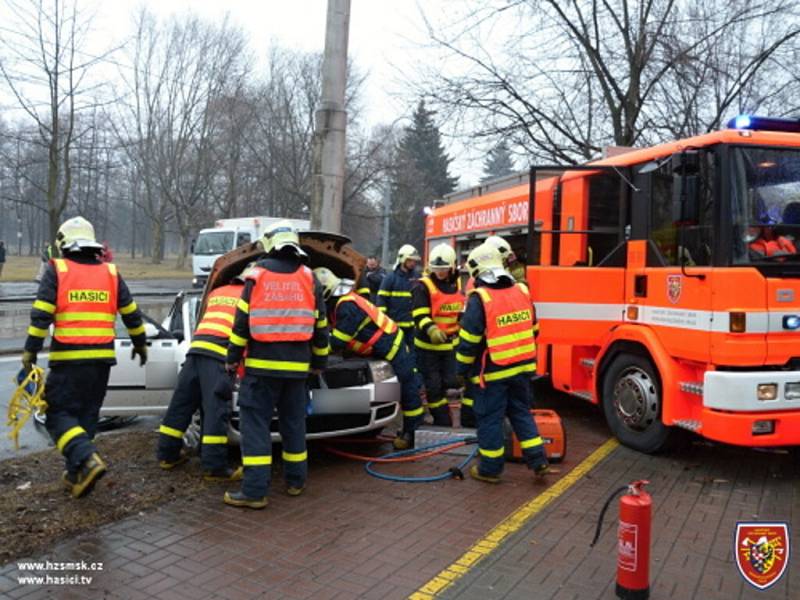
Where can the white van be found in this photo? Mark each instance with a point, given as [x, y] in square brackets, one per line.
[226, 235]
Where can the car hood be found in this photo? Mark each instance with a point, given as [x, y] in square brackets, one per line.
[324, 249]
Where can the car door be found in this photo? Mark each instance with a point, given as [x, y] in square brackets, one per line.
[137, 390]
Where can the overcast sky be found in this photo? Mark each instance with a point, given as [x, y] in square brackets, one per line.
[387, 41]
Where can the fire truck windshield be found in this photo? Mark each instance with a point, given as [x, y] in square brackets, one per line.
[765, 195]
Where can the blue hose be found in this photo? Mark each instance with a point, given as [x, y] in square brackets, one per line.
[429, 479]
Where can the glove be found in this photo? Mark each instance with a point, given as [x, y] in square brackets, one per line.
[28, 360]
[142, 352]
[437, 335]
[224, 389]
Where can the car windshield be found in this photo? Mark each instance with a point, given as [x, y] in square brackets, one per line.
[765, 195]
[213, 242]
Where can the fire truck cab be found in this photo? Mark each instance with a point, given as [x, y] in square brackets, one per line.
[666, 281]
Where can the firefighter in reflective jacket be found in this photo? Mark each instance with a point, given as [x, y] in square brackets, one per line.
[361, 328]
[204, 383]
[438, 304]
[497, 352]
[280, 321]
[394, 295]
[82, 296]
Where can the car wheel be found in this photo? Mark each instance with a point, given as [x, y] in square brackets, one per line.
[632, 403]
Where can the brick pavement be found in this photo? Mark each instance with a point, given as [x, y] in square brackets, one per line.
[699, 494]
[353, 536]
[349, 536]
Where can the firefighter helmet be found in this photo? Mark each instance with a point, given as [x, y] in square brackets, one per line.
[76, 233]
[332, 286]
[442, 257]
[503, 247]
[282, 235]
[406, 252]
[486, 263]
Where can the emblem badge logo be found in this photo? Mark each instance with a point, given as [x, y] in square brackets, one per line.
[762, 552]
[674, 288]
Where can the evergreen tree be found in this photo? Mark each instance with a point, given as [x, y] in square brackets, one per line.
[498, 162]
[420, 176]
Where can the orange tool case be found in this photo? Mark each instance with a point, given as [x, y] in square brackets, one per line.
[551, 429]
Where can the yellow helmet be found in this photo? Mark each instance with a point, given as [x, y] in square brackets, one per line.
[282, 235]
[486, 263]
[406, 252]
[503, 247]
[76, 233]
[332, 286]
[442, 257]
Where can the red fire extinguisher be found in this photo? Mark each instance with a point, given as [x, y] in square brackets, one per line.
[633, 540]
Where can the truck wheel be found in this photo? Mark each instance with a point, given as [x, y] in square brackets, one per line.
[632, 403]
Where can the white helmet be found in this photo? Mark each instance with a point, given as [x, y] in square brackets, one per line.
[76, 233]
[332, 286]
[406, 252]
[503, 247]
[442, 257]
[486, 263]
[282, 235]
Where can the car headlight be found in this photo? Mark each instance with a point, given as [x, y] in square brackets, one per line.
[380, 370]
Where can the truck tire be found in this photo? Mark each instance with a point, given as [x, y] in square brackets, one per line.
[632, 403]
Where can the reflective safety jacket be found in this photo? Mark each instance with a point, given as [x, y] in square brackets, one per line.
[394, 297]
[780, 245]
[497, 336]
[290, 359]
[214, 329]
[82, 296]
[282, 305]
[439, 303]
[363, 329]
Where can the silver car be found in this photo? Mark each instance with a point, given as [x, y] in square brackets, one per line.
[353, 396]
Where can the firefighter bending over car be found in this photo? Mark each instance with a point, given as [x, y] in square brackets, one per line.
[394, 295]
[360, 327]
[437, 306]
[497, 352]
[204, 383]
[280, 322]
[81, 295]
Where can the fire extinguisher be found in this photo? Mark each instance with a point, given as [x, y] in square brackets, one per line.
[633, 540]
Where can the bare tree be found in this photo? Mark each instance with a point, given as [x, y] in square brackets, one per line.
[45, 69]
[575, 76]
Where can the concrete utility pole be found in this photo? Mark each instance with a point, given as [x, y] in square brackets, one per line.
[331, 119]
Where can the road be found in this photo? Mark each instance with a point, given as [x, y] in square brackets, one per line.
[14, 289]
[33, 437]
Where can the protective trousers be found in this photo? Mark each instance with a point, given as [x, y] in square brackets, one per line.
[199, 382]
[506, 397]
[408, 340]
[467, 404]
[438, 370]
[258, 399]
[74, 395]
[410, 388]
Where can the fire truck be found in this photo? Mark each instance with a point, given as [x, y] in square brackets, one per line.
[666, 280]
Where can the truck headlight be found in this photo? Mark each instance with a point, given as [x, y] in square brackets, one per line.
[767, 391]
[792, 391]
[791, 322]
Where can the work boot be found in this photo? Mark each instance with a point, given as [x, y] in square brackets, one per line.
[168, 465]
[475, 473]
[92, 469]
[542, 469]
[242, 501]
[226, 474]
[403, 441]
[295, 491]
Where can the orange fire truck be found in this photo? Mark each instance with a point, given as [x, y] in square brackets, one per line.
[666, 280]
